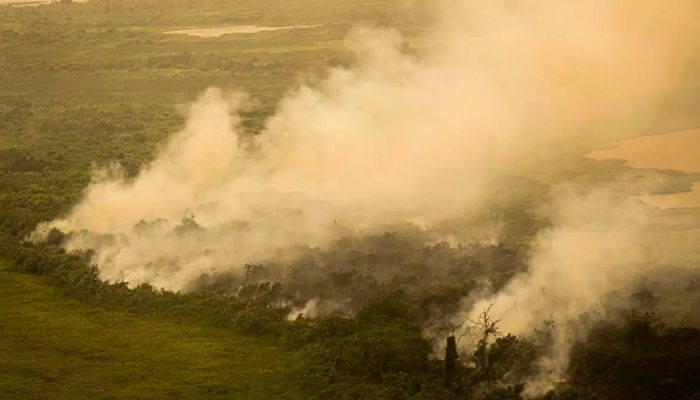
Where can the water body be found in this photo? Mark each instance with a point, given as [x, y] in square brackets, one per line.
[31, 3]
[678, 151]
[23, 3]
[240, 29]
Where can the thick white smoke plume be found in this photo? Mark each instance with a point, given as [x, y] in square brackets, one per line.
[596, 246]
[503, 88]
[593, 248]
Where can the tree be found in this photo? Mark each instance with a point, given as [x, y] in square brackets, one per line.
[55, 237]
[188, 224]
[451, 358]
[485, 328]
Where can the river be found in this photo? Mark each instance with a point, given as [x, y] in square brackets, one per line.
[678, 151]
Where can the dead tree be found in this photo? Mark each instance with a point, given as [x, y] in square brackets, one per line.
[485, 328]
[451, 357]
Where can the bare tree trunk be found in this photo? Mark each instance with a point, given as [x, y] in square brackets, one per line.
[450, 360]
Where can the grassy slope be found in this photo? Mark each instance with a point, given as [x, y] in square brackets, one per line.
[52, 347]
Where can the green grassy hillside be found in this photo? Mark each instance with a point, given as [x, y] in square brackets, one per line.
[52, 347]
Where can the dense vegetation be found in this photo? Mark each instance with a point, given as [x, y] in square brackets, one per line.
[381, 351]
[84, 85]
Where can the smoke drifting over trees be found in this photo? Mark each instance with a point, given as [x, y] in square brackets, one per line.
[417, 140]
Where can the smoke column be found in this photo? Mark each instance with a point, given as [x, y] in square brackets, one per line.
[505, 87]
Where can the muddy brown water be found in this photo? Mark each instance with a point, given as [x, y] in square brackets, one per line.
[678, 151]
[31, 3]
[240, 29]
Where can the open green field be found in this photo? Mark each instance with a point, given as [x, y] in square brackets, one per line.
[53, 347]
[107, 51]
